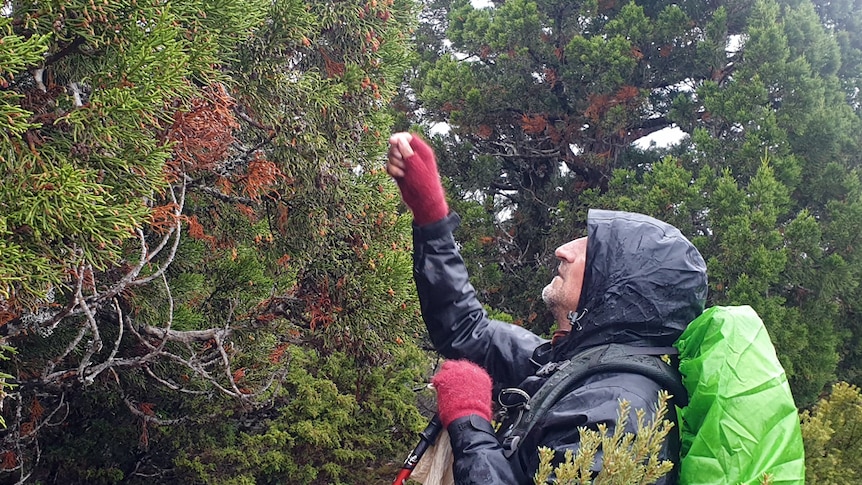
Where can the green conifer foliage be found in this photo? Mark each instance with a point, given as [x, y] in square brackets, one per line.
[784, 107]
[831, 430]
[202, 265]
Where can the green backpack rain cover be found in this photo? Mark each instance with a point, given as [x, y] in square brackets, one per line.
[741, 421]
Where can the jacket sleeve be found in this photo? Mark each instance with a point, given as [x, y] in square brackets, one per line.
[457, 324]
[478, 457]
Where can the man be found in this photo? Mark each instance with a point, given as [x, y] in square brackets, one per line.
[633, 280]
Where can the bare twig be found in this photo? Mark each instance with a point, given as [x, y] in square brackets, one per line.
[95, 345]
[149, 418]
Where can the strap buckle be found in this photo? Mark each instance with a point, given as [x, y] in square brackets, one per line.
[552, 367]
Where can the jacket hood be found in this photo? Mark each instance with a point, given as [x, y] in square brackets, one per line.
[643, 283]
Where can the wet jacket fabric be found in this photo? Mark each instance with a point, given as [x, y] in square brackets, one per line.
[643, 283]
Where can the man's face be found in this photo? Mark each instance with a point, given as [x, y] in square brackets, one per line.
[564, 291]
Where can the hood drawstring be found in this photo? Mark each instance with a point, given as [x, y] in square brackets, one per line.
[575, 318]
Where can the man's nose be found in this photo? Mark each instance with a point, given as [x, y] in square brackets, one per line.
[571, 249]
[565, 251]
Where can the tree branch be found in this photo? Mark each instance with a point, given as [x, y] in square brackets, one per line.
[186, 336]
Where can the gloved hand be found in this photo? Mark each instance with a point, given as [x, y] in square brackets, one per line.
[413, 166]
[463, 388]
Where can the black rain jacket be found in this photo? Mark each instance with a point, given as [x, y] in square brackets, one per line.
[643, 283]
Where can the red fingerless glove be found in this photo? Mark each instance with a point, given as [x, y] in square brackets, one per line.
[420, 187]
[463, 388]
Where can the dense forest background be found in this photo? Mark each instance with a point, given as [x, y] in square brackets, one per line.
[205, 276]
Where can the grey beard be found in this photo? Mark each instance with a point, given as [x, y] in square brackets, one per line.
[546, 295]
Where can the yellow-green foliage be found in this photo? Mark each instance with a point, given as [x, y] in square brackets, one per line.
[832, 432]
[334, 419]
[92, 88]
[627, 458]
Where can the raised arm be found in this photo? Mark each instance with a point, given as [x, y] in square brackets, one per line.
[457, 324]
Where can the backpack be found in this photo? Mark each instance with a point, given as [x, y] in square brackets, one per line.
[741, 421]
[737, 418]
[565, 375]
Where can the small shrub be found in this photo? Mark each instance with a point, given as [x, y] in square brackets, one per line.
[627, 458]
[832, 432]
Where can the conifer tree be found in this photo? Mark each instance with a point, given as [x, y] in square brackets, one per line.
[202, 267]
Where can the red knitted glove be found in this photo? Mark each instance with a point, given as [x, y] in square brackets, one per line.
[463, 388]
[420, 186]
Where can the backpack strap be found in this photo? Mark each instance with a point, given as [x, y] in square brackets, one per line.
[566, 374]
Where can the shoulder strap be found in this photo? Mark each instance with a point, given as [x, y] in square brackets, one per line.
[605, 358]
